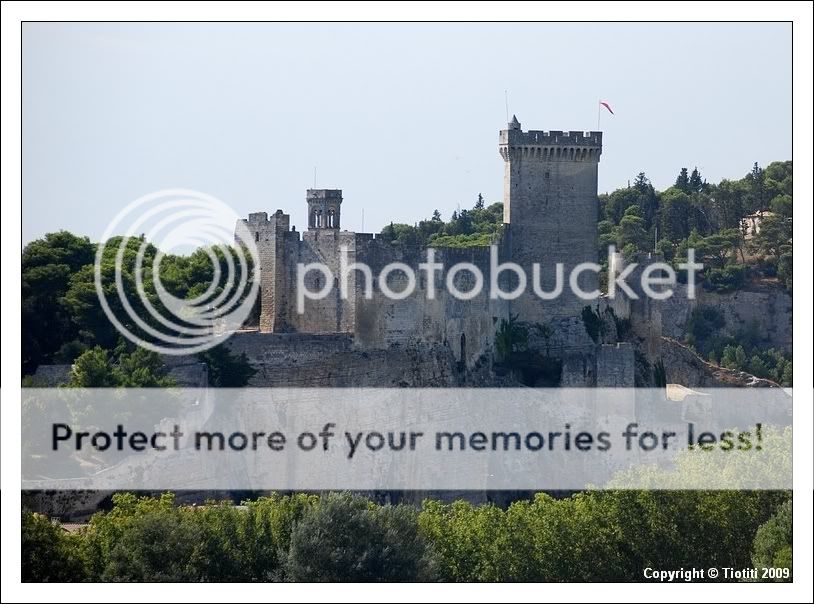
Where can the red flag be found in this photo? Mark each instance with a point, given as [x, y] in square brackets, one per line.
[604, 104]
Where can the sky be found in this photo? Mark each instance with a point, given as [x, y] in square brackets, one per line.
[403, 117]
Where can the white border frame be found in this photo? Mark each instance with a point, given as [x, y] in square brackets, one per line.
[15, 12]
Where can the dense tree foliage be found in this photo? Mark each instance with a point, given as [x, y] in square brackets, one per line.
[773, 541]
[715, 220]
[591, 536]
[345, 538]
[49, 553]
[47, 267]
[62, 316]
[125, 366]
[480, 226]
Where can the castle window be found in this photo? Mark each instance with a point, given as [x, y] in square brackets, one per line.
[548, 174]
[257, 236]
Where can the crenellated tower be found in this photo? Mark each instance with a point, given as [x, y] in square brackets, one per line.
[551, 208]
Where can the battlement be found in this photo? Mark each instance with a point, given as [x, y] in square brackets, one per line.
[261, 219]
[259, 225]
[551, 145]
[258, 217]
[550, 137]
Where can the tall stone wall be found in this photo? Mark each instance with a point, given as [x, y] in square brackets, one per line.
[467, 327]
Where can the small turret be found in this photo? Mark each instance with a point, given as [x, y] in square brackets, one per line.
[323, 208]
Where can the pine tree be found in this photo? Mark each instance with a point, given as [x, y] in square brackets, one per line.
[696, 183]
[683, 181]
[641, 184]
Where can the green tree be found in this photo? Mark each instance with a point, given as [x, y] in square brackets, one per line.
[772, 547]
[93, 369]
[49, 554]
[676, 214]
[632, 235]
[100, 368]
[683, 181]
[227, 370]
[345, 538]
[696, 183]
[141, 539]
[716, 249]
[471, 542]
[82, 300]
[619, 201]
[755, 198]
[47, 266]
[728, 203]
[269, 522]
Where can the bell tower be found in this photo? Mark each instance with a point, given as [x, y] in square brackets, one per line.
[323, 208]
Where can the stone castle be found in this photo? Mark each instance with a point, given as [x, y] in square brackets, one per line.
[550, 215]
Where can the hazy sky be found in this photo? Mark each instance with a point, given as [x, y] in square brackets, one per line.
[404, 118]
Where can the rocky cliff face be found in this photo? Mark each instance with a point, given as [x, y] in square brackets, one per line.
[767, 309]
[683, 366]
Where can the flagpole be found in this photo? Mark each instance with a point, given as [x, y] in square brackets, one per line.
[598, 113]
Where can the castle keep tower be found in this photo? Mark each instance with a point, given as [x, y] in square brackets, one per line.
[551, 208]
[323, 208]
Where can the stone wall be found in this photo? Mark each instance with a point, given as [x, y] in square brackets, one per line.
[615, 366]
[51, 376]
[377, 320]
[333, 360]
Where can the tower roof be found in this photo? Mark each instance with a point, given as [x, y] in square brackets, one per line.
[514, 124]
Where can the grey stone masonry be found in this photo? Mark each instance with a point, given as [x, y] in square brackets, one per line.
[550, 206]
